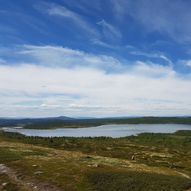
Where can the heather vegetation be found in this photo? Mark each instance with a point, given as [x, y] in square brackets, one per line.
[145, 162]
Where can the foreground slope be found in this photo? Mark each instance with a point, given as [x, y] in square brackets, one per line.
[147, 162]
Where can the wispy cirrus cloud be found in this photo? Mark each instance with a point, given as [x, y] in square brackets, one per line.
[109, 30]
[165, 17]
[57, 56]
[185, 62]
[103, 44]
[152, 55]
[119, 8]
[77, 19]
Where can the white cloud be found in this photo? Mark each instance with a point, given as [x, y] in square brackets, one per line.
[154, 70]
[35, 89]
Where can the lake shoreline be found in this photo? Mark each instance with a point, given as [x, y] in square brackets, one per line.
[114, 130]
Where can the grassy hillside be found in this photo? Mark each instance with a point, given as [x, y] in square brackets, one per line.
[147, 162]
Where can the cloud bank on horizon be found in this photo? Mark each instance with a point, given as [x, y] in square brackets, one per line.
[100, 58]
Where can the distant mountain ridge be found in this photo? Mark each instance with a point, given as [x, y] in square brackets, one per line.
[25, 121]
[69, 122]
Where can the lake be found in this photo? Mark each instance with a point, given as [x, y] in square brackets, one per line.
[103, 130]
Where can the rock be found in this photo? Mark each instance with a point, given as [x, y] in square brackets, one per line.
[94, 165]
[38, 172]
[3, 169]
[133, 157]
[4, 184]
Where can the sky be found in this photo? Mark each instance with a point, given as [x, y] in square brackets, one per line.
[100, 58]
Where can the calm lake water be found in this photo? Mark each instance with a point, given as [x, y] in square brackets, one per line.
[103, 130]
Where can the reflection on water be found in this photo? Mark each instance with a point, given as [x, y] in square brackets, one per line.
[103, 130]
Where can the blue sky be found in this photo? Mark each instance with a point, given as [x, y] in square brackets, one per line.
[95, 58]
